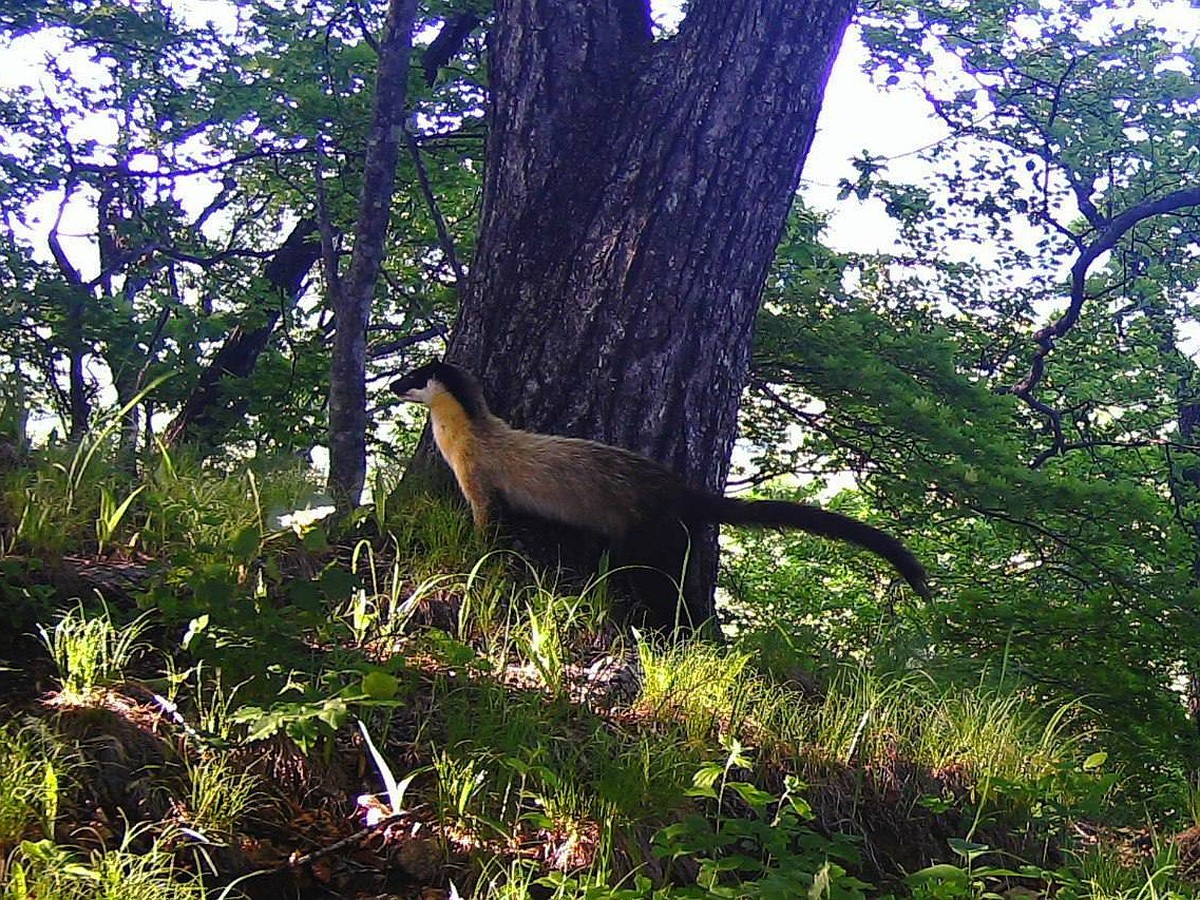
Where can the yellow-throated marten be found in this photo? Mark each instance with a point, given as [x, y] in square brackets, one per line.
[615, 493]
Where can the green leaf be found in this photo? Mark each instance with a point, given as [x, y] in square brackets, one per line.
[246, 542]
[1095, 761]
[195, 627]
[968, 850]
[943, 872]
[758, 799]
[380, 685]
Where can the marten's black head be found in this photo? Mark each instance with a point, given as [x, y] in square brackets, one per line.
[422, 383]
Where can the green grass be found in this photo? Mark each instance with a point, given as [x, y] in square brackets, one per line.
[704, 689]
[31, 765]
[431, 532]
[1097, 874]
[864, 718]
[90, 652]
[218, 795]
[43, 870]
[80, 500]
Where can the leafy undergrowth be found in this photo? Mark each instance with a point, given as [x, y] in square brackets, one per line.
[203, 699]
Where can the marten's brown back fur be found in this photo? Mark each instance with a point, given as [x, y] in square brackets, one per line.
[607, 490]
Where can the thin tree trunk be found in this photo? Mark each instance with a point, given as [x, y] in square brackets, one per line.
[634, 196]
[76, 308]
[76, 349]
[1185, 490]
[351, 296]
[1184, 476]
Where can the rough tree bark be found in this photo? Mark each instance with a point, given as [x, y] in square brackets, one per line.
[634, 195]
[351, 296]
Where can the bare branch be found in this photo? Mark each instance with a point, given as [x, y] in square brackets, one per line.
[370, 38]
[124, 171]
[449, 41]
[1120, 225]
[65, 266]
[445, 241]
[379, 351]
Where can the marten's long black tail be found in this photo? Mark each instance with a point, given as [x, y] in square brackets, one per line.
[704, 507]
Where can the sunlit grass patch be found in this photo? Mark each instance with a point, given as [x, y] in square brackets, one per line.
[218, 795]
[974, 732]
[31, 767]
[42, 869]
[1101, 873]
[90, 652]
[704, 689]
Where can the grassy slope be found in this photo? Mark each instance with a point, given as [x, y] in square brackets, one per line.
[520, 737]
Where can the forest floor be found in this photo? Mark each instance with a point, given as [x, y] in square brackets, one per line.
[436, 759]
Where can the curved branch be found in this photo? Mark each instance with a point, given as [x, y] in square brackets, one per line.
[1120, 225]
[449, 41]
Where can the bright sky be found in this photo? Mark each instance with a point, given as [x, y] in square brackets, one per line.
[894, 124]
[856, 116]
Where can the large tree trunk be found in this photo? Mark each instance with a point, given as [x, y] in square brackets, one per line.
[634, 195]
[352, 295]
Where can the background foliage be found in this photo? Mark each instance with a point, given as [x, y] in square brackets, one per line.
[1012, 387]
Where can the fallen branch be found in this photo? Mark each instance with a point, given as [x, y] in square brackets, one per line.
[294, 861]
